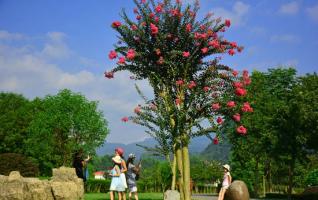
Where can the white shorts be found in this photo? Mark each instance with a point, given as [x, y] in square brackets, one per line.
[133, 189]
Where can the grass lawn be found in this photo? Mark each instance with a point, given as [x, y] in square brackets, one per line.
[142, 196]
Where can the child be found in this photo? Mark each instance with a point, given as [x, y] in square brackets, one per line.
[227, 179]
[116, 183]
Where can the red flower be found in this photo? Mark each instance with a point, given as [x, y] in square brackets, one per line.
[138, 17]
[134, 27]
[240, 92]
[121, 60]
[192, 84]
[230, 104]
[227, 23]
[219, 120]
[245, 73]
[109, 75]
[151, 15]
[233, 44]
[160, 61]
[202, 27]
[237, 84]
[174, 12]
[137, 110]
[204, 50]
[231, 52]
[247, 81]
[158, 9]
[214, 44]
[154, 29]
[131, 54]
[124, 119]
[215, 140]
[235, 73]
[216, 106]
[156, 19]
[188, 27]
[236, 117]
[143, 1]
[186, 54]
[116, 24]
[136, 10]
[178, 101]
[247, 108]
[241, 130]
[206, 88]
[179, 82]
[112, 55]
[158, 52]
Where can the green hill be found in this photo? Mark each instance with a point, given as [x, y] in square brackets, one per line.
[220, 152]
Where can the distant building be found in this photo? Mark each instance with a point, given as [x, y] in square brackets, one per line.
[99, 175]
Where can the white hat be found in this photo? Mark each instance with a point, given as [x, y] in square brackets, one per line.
[117, 159]
[226, 166]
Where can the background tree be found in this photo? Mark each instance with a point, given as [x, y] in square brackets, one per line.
[69, 122]
[14, 119]
[279, 131]
[171, 49]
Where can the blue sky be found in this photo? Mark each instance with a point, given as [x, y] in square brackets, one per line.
[48, 45]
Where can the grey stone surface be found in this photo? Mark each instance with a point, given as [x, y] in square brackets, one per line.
[172, 195]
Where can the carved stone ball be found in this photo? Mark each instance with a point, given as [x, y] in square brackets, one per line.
[237, 191]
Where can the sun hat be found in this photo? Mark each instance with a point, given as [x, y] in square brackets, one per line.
[116, 159]
[131, 155]
[120, 151]
[226, 166]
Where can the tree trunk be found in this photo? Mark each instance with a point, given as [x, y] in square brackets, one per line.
[256, 174]
[174, 172]
[290, 178]
[180, 169]
[186, 172]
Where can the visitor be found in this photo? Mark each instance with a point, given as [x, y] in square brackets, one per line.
[123, 170]
[116, 182]
[227, 179]
[79, 164]
[132, 173]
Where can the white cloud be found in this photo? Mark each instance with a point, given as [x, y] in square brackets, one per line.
[237, 14]
[289, 8]
[5, 35]
[56, 48]
[313, 12]
[260, 31]
[27, 70]
[285, 38]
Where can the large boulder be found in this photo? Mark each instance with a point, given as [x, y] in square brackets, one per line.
[11, 187]
[172, 195]
[237, 191]
[37, 189]
[64, 185]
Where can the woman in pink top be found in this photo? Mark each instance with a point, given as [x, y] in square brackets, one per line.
[227, 179]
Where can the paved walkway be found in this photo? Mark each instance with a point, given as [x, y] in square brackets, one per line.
[206, 197]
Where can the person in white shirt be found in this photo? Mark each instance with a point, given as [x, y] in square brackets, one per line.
[227, 179]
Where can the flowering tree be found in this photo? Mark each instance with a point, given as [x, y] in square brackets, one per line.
[179, 56]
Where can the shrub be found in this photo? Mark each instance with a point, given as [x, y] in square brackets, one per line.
[312, 178]
[95, 185]
[18, 162]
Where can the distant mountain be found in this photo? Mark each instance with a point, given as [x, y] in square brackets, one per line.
[197, 145]
[220, 152]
